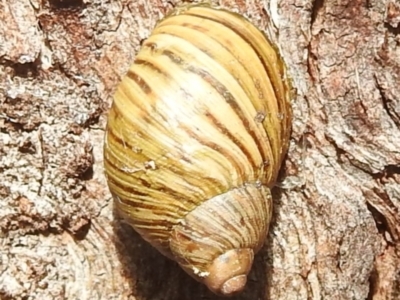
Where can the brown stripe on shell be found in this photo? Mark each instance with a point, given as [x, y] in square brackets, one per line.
[139, 81]
[279, 91]
[226, 95]
[210, 144]
[239, 31]
[203, 47]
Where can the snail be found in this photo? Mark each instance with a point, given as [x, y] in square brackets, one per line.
[195, 138]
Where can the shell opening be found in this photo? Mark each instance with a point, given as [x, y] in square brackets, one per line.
[228, 272]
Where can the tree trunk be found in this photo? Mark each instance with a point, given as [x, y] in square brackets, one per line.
[336, 226]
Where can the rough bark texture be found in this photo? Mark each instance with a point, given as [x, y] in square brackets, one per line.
[336, 227]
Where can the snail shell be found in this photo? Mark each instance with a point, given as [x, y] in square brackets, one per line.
[195, 138]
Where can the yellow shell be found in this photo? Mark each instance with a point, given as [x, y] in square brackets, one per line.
[195, 139]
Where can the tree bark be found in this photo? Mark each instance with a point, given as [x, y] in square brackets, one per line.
[336, 227]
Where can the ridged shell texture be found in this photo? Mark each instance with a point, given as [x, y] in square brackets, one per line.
[196, 135]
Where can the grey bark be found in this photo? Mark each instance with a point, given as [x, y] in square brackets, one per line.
[336, 227]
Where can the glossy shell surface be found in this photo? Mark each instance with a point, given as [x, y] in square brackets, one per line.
[196, 135]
